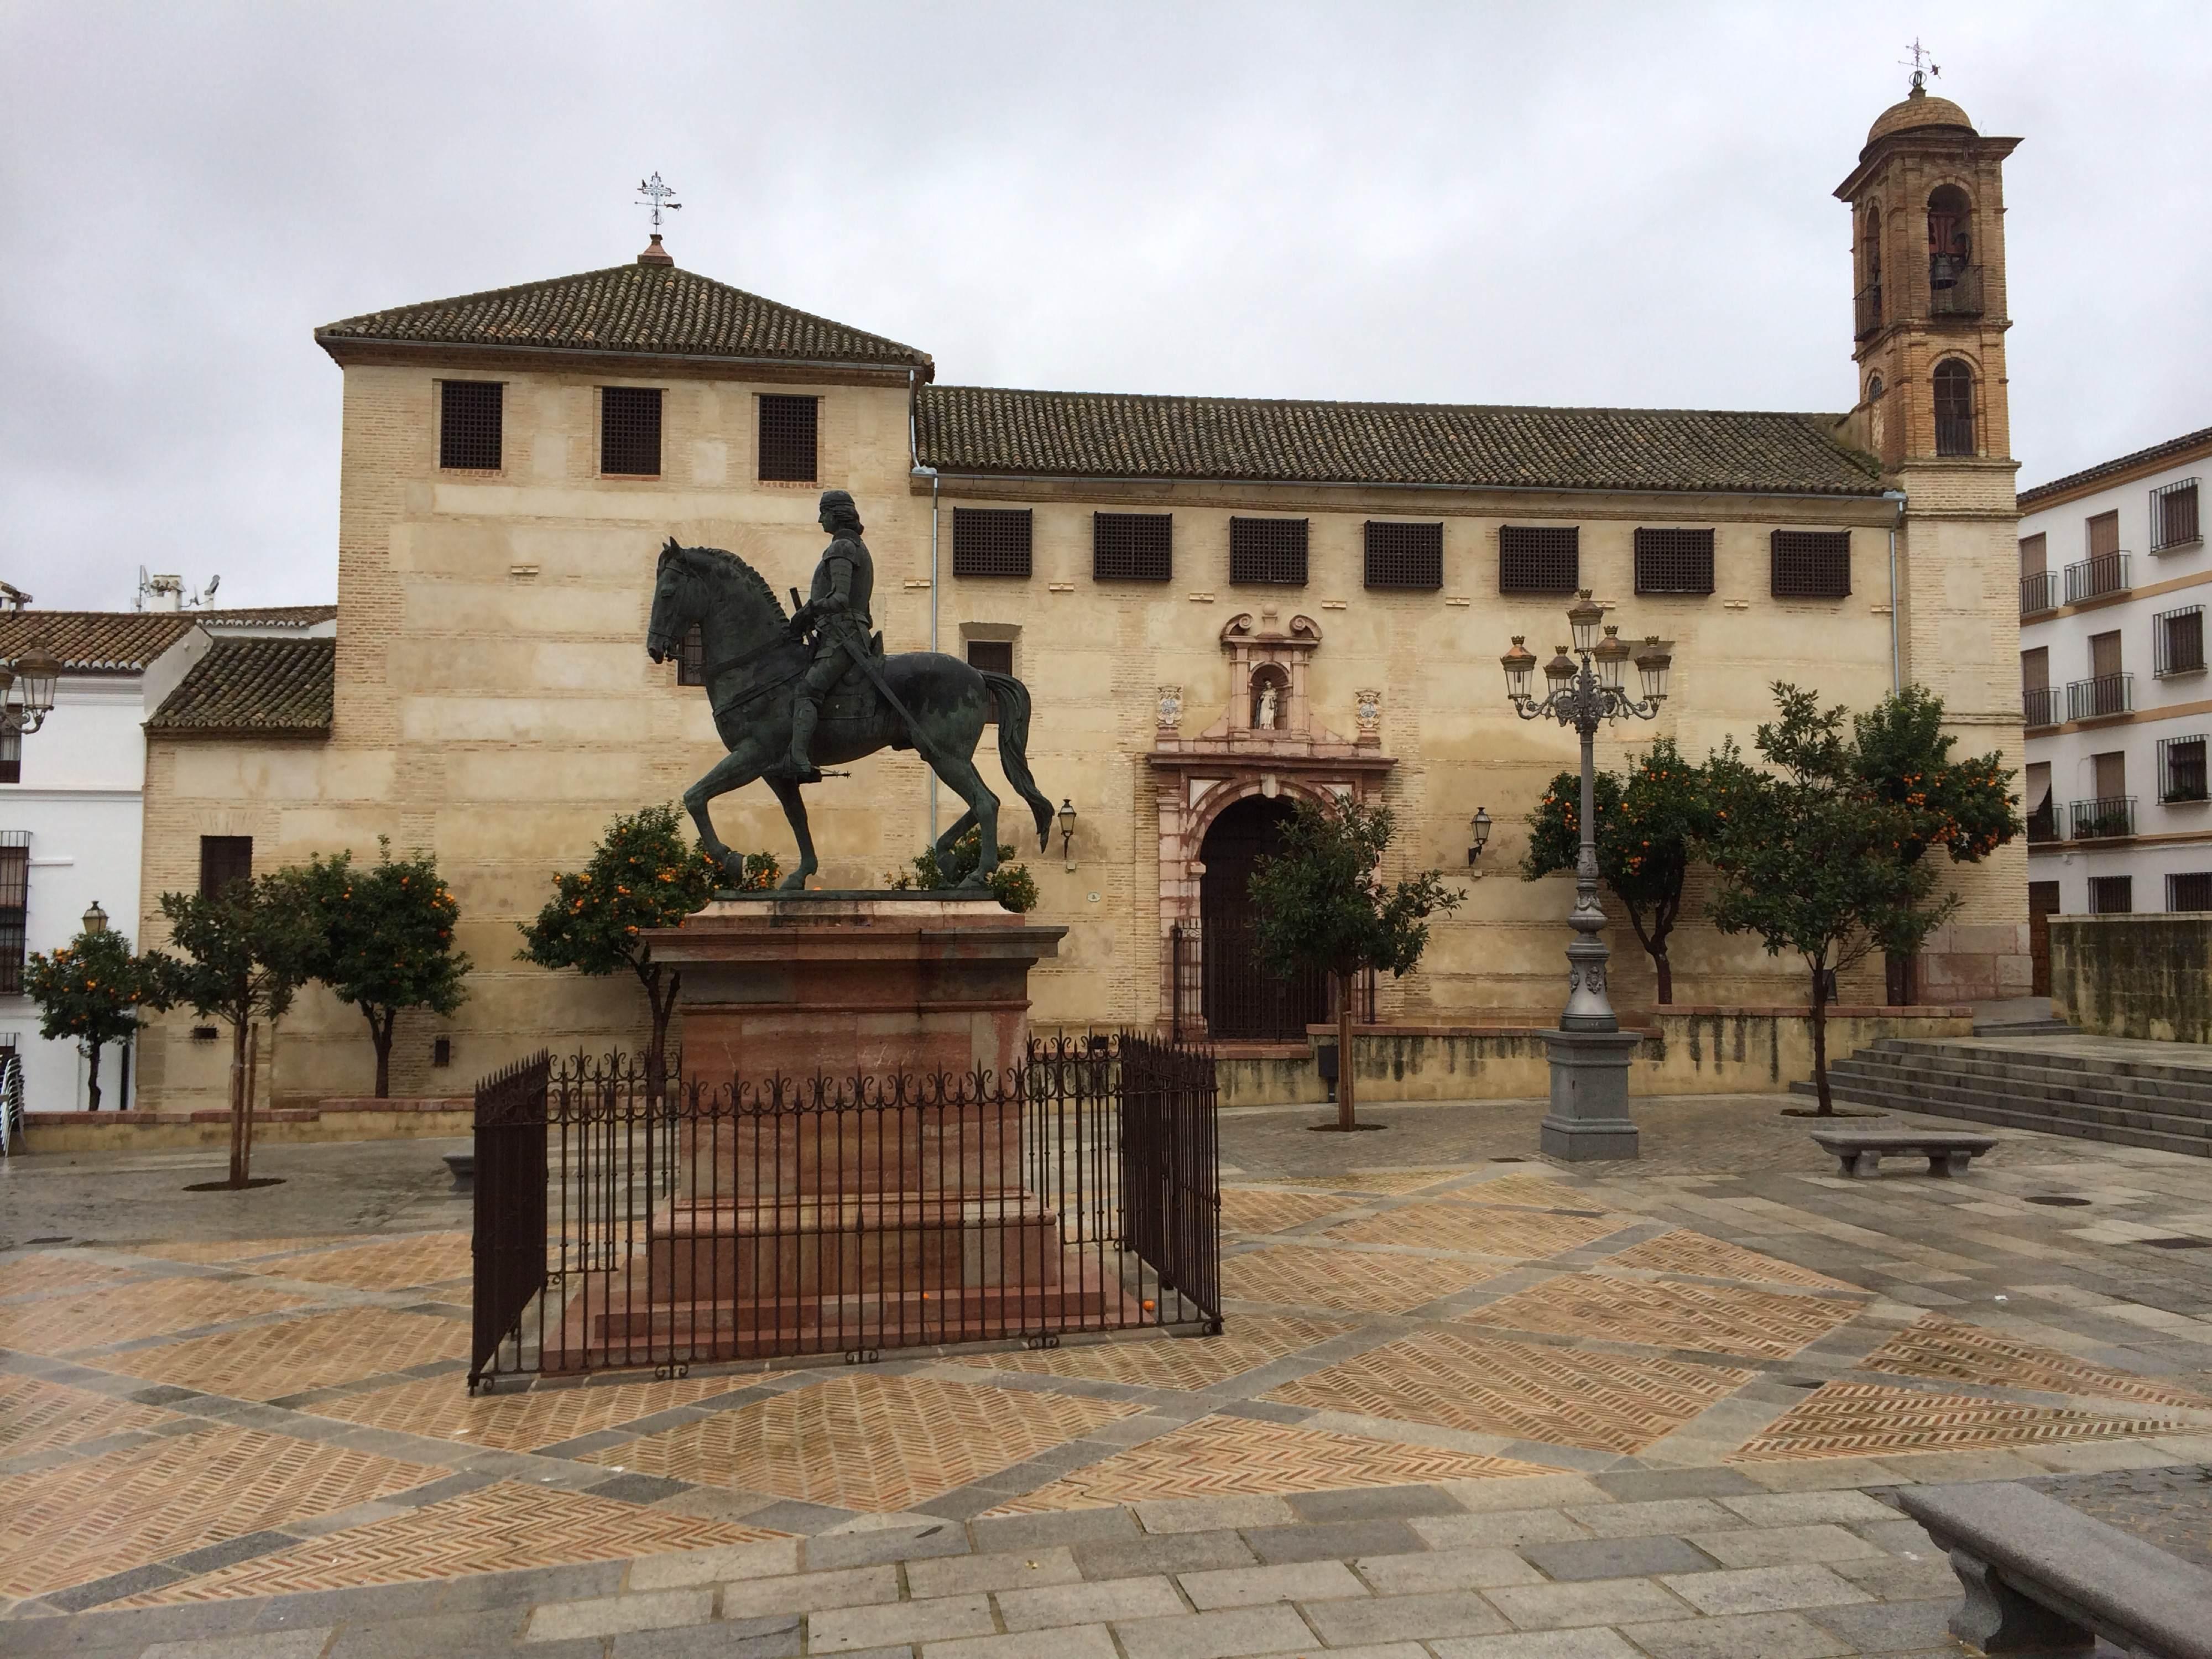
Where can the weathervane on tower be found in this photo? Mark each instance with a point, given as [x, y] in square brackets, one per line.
[658, 196]
[1920, 54]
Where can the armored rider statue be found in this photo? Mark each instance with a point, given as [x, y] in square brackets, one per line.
[836, 610]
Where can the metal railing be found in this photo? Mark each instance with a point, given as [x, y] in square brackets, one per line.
[2038, 594]
[2043, 823]
[2106, 694]
[1955, 290]
[1866, 306]
[2039, 706]
[2092, 578]
[11, 1106]
[621, 1226]
[2105, 818]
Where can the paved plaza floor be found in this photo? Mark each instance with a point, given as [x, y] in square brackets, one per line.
[1468, 1406]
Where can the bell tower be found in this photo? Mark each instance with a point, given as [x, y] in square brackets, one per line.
[1929, 314]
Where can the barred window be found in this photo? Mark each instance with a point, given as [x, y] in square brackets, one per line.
[1131, 547]
[1543, 558]
[2181, 774]
[2189, 889]
[1811, 564]
[11, 758]
[1268, 550]
[1673, 560]
[2111, 896]
[2177, 639]
[788, 429]
[223, 859]
[2174, 521]
[991, 657]
[990, 541]
[691, 658]
[468, 418]
[630, 431]
[14, 907]
[1405, 554]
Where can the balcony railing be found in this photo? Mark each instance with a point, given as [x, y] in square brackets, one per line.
[2095, 699]
[2040, 705]
[2104, 819]
[1867, 303]
[2094, 578]
[2038, 594]
[1955, 290]
[2043, 823]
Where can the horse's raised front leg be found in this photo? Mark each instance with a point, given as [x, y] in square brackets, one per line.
[794, 808]
[961, 776]
[733, 771]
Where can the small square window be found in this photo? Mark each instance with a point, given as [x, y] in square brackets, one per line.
[993, 656]
[2181, 769]
[2177, 641]
[2111, 896]
[691, 658]
[991, 541]
[630, 431]
[2189, 889]
[1272, 551]
[1409, 556]
[1673, 560]
[224, 859]
[788, 439]
[1539, 558]
[1132, 547]
[1811, 564]
[441, 1051]
[468, 422]
[11, 758]
[2173, 520]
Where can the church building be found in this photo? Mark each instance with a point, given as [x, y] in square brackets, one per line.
[1220, 606]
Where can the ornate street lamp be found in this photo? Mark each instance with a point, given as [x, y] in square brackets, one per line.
[1588, 1117]
[1477, 832]
[1066, 830]
[95, 918]
[35, 672]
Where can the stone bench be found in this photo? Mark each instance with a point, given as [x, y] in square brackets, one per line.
[464, 1168]
[1861, 1151]
[2043, 1578]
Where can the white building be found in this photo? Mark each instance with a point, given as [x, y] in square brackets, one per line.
[71, 803]
[2113, 579]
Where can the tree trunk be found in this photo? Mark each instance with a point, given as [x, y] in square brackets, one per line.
[380, 1033]
[1346, 1119]
[663, 1004]
[253, 1065]
[1820, 1043]
[1666, 974]
[238, 1153]
[92, 1079]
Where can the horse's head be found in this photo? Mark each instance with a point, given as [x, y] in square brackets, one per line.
[674, 606]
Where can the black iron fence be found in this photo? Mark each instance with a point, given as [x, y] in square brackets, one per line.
[1221, 988]
[621, 1227]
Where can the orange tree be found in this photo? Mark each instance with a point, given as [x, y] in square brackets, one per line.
[90, 989]
[644, 873]
[1649, 825]
[386, 940]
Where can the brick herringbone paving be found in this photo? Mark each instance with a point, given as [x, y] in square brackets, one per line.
[497, 1528]
[1174, 1363]
[222, 1251]
[1322, 1277]
[1375, 1181]
[267, 1362]
[70, 1322]
[1226, 1456]
[1684, 1251]
[35, 1416]
[1606, 1403]
[1949, 1351]
[1870, 1419]
[439, 1406]
[1716, 1319]
[1531, 1192]
[867, 1443]
[390, 1264]
[1521, 1234]
[1259, 1210]
[53, 1270]
[98, 1516]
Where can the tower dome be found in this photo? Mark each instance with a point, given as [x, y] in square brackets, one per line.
[1917, 109]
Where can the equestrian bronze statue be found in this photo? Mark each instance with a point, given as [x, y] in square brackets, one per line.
[784, 704]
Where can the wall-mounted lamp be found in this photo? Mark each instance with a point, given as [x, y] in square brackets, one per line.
[1067, 831]
[95, 919]
[1478, 830]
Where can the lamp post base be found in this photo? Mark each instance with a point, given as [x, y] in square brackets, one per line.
[1588, 1120]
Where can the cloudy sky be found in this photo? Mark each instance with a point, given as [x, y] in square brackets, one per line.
[1556, 203]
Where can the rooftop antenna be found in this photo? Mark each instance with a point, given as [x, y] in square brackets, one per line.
[1921, 56]
[658, 196]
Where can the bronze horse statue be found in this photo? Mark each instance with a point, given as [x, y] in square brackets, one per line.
[752, 664]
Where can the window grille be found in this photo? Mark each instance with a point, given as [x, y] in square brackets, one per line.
[1409, 556]
[990, 541]
[1268, 550]
[1131, 547]
[2173, 520]
[1811, 564]
[11, 758]
[2189, 889]
[2177, 639]
[1673, 560]
[441, 1051]
[2181, 769]
[469, 419]
[223, 859]
[691, 658]
[14, 907]
[789, 428]
[1542, 558]
[1955, 408]
[993, 656]
[630, 431]
[2111, 896]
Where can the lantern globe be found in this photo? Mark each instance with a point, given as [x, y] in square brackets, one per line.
[1583, 618]
[1611, 655]
[1652, 662]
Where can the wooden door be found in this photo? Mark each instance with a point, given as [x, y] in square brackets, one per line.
[2042, 905]
[2104, 654]
[2104, 535]
[2033, 560]
[2112, 773]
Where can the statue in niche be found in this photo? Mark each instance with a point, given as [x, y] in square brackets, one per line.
[1268, 711]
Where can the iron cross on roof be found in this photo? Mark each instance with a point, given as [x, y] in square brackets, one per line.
[1923, 64]
[658, 195]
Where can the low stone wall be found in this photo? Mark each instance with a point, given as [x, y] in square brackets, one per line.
[1685, 1051]
[2135, 975]
[332, 1120]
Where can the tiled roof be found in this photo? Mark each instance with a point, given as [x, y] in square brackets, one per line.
[652, 308]
[124, 641]
[982, 429]
[2172, 449]
[253, 687]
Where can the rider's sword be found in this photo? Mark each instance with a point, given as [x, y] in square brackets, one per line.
[923, 746]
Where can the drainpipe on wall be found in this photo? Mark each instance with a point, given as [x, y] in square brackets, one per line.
[1896, 656]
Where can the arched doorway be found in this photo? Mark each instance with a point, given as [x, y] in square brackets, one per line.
[1240, 1001]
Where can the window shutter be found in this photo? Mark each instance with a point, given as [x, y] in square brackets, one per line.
[1811, 564]
[789, 438]
[1268, 550]
[991, 541]
[1539, 558]
[1132, 547]
[630, 431]
[470, 425]
[1404, 556]
[1673, 560]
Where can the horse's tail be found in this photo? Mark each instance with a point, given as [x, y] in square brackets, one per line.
[1013, 747]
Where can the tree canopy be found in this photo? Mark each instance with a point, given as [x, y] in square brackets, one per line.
[386, 940]
[90, 989]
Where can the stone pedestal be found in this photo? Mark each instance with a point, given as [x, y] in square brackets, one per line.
[1588, 1120]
